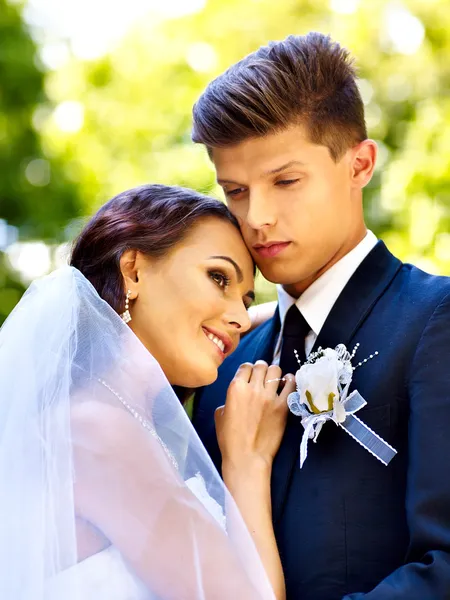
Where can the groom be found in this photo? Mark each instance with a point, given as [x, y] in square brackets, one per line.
[285, 130]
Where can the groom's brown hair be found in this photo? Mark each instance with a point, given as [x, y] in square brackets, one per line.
[308, 80]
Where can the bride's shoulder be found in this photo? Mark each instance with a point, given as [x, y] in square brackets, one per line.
[98, 427]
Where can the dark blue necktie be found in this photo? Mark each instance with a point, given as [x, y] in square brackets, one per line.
[295, 331]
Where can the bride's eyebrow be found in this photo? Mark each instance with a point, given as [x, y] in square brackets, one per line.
[250, 293]
[232, 262]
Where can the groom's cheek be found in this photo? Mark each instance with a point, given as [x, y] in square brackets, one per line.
[238, 210]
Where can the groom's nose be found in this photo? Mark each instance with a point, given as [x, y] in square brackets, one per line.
[261, 210]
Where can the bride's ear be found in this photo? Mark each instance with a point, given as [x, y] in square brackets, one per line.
[129, 267]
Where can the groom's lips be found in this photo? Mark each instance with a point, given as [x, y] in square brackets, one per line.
[270, 249]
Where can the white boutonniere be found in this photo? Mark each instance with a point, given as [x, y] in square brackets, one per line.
[322, 395]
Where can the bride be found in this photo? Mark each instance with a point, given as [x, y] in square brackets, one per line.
[106, 490]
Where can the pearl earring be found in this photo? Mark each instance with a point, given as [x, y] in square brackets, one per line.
[125, 316]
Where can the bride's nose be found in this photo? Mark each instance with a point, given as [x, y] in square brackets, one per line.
[238, 318]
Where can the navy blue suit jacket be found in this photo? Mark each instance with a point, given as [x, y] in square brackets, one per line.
[347, 526]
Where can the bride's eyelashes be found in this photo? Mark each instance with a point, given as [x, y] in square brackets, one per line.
[223, 281]
[220, 278]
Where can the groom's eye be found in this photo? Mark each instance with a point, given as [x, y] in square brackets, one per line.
[247, 302]
[286, 182]
[234, 192]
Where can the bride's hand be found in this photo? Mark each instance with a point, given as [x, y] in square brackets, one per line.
[249, 429]
[250, 426]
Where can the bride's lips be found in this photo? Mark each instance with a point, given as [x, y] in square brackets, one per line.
[223, 337]
[270, 249]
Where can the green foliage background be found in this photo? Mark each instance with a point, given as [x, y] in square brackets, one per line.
[135, 106]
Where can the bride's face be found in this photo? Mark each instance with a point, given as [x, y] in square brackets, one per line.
[191, 305]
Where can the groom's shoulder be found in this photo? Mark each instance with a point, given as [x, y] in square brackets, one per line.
[405, 278]
[422, 287]
[250, 340]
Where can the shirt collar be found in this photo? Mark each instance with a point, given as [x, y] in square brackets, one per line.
[317, 301]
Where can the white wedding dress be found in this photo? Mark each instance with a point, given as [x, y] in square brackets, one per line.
[106, 576]
[63, 349]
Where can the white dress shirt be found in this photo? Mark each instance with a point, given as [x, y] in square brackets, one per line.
[317, 301]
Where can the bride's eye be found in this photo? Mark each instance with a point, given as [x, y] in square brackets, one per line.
[220, 279]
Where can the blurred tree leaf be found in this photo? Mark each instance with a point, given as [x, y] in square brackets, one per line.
[35, 194]
[36, 197]
[109, 124]
[137, 103]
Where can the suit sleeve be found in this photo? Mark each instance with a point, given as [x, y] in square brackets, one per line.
[426, 572]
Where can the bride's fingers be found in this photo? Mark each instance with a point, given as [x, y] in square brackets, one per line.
[272, 380]
[259, 373]
[289, 386]
[218, 415]
[244, 372]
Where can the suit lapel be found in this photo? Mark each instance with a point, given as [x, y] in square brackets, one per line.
[350, 310]
[358, 297]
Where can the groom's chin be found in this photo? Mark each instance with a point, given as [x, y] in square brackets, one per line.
[290, 273]
[279, 274]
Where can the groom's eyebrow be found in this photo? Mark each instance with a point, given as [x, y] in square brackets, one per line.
[288, 165]
[223, 181]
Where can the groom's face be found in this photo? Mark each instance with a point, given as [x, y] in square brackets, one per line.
[298, 209]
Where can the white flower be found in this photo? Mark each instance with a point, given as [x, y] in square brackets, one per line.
[343, 358]
[318, 383]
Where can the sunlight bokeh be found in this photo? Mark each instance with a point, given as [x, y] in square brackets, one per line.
[97, 97]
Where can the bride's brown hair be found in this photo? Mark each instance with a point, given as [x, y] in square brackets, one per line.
[150, 218]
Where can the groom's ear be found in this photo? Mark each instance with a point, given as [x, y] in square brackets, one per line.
[363, 159]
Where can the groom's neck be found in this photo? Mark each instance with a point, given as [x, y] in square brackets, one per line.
[296, 289]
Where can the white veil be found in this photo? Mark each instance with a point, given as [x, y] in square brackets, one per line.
[63, 347]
